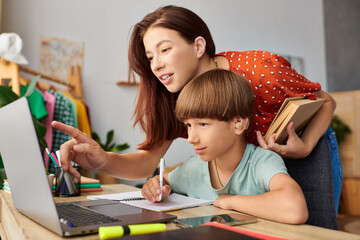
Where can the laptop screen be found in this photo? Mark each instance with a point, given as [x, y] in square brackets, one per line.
[29, 183]
[24, 165]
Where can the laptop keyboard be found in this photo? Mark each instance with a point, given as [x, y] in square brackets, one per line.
[76, 216]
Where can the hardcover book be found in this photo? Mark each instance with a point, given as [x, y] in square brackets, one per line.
[297, 109]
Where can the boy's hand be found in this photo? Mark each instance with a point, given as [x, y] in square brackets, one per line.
[151, 190]
[223, 201]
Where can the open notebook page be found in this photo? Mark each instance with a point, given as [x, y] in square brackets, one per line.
[172, 202]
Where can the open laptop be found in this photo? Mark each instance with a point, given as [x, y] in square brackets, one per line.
[30, 188]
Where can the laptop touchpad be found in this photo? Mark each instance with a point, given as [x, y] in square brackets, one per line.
[116, 209]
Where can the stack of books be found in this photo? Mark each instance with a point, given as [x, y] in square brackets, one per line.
[300, 110]
[90, 185]
[6, 186]
[87, 185]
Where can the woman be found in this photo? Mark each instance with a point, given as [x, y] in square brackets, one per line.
[167, 49]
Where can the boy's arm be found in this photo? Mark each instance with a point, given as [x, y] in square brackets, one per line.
[284, 202]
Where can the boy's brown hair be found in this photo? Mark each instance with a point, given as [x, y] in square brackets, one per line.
[217, 94]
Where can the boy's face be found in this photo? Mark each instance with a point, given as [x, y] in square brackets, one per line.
[212, 138]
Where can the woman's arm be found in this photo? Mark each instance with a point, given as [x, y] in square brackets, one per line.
[284, 202]
[135, 165]
[318, 125]
[301, 147]
[88, 154]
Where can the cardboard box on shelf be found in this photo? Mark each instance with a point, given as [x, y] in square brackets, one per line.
[348, 111]
[351, 196]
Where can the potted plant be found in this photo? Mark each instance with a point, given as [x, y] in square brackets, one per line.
[109, 145]
[340, 129]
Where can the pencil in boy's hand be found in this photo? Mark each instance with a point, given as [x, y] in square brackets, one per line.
[162, 166]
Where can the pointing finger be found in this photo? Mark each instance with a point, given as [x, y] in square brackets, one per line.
[71, 131]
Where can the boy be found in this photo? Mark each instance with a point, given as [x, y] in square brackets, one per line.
[218, 109]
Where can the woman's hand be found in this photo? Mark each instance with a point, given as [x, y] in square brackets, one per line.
[295, 147]
[151, 189]
[81, 149]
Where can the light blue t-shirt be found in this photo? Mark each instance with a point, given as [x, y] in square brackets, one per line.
[251, 177]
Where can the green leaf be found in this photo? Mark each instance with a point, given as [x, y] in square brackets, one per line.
[98, 141]
[120, 147]
[43, 143]
[7, 95]
[109, 146]
[32, 86]
[95, 136]
[340, 129]
[109, 137]
[40, 132]
[40, 128]
[1, 162]
[102, 146]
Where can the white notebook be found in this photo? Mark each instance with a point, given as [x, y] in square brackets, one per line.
[173, 202]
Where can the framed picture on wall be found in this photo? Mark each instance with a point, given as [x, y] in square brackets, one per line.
[58, 54]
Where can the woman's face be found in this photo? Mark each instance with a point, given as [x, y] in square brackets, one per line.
[172, 59]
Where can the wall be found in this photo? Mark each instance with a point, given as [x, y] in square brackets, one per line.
[342, 21]
[289, 27]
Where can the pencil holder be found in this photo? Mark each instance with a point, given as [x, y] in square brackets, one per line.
[66, 185]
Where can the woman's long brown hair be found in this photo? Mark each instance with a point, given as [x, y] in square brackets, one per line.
[155, 106]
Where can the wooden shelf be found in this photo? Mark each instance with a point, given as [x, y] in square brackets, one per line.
[123, 83]
[131, 80]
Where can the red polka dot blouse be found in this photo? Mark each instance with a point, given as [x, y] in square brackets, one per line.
[272, 80]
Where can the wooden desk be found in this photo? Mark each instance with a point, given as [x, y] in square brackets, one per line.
[14, 225]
